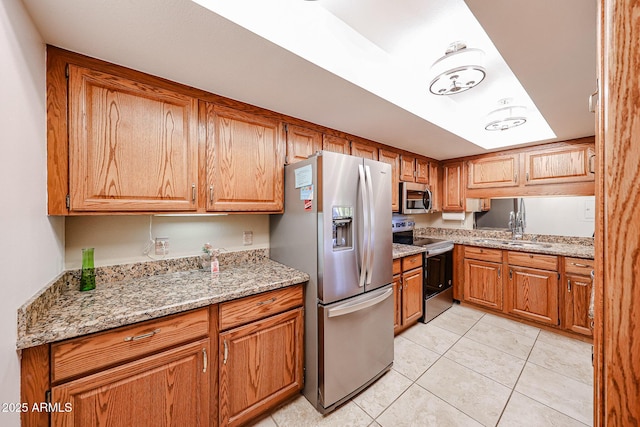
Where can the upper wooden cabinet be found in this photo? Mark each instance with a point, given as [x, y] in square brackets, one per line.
[245, 158]
[364, 150]
[335, 144]
[435, 182]
[132, 147]
[393, 159]
[560, 165]
[301, 143]
[414, 169]
[493, 171]
[453, 187]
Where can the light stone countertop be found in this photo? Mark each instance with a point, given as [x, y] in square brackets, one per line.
[401, 251]
[73, 313]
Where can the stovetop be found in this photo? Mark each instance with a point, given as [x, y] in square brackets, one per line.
[407, 238]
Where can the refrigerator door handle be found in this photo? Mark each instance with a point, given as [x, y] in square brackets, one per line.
[350, 307]
[365, 238]
[372, 221]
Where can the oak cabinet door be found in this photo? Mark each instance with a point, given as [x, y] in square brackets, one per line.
[483, 283]
[260, 366]
[435, 183]
[560, 165]
[245, 161]
[397, 303]
[411, 296]
[493, 171]
[453, 188]
[365, 151]
[394, 160]
[576, 303]
[132, 147]
[533, 294]
[407, 168]
[422, 171]
[302, 143]
[335, 144]
[171, 388]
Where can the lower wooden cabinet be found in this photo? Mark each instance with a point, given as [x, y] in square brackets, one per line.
[533, 294]
[170, 388]
[407, 291]
[260, 366]
[483, 283]
[577, 286]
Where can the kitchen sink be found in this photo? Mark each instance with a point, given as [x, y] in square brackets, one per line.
[515, 243]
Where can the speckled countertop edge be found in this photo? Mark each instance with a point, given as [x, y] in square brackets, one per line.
[400, 250]
[70, 313]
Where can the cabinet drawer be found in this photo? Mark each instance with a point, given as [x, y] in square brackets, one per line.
[543, 262]
[245, 310]
[396, 266]
[92, 352]
[412, 261]
[483, 254]
[578, 266]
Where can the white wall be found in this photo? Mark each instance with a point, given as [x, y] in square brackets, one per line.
[561, 216]
[122, 239]
[32, 245]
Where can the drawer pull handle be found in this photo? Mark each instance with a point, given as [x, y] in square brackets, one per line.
[226, 353]
[269, 301]
[204, 360]
[580, 265]
[143, 336]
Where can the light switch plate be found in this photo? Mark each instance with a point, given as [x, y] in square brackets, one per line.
[247, 238]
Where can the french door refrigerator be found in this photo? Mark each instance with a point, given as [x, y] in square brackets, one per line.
[336, 227]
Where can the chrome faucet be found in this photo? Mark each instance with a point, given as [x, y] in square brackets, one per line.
[517, 222]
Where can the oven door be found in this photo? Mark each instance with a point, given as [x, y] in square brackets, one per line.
[416, 198]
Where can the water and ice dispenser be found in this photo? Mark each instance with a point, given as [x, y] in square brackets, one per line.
[342, 222]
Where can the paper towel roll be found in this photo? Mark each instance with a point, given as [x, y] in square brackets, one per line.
[453, 216]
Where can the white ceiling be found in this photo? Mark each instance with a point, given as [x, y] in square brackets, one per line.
[550, 45]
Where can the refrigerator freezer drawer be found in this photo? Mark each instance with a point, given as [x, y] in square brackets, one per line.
[356, 343]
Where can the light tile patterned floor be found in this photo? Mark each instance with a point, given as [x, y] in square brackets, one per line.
[467, 368]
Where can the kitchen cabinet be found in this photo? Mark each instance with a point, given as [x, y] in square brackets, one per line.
[364, 150]
[532, 287]
[245, 161]
[132, 146]
[577, 286]
[393, 159]
[435, 183]
[301, 143]
[560, 165]
[414, 169]
[493, 171]
[483, 276]
[408, 291]
[158, 368]
[335, 144]
[261, 363]
[453, 187]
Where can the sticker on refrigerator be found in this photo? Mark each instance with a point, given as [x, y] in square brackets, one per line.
[304, 176]
[308, 205]
[306, 192]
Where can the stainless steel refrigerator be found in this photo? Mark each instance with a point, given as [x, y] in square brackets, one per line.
[336, 227]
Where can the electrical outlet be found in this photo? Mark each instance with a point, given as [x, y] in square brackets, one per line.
[247, 238]
[162, 246]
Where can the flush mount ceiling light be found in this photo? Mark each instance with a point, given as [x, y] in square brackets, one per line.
[459, 70]
[506, 117]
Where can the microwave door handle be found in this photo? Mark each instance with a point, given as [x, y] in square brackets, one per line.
[372, 222]
[426, 199]
[364, 246]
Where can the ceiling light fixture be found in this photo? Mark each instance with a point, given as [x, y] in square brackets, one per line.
[459, 70]
[506, 117]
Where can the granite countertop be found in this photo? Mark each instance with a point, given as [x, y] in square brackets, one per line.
[401, 251]
[72, 313]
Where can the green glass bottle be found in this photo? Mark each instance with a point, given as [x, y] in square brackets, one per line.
[88, 277]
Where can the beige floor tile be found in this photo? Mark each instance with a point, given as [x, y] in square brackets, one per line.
[374, 424]
[264, 422]
[418, 407]
[467, 311]
[431, 337]
[501, 339]
[522, 411]
[382, 393]
[563, 359]
[557, 391]
[488, 361]
[411, 359]
[300, 412]
[510, 325]
[474, 394]
[456, 321]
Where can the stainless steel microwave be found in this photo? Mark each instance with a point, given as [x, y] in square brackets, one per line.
[415, 198]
